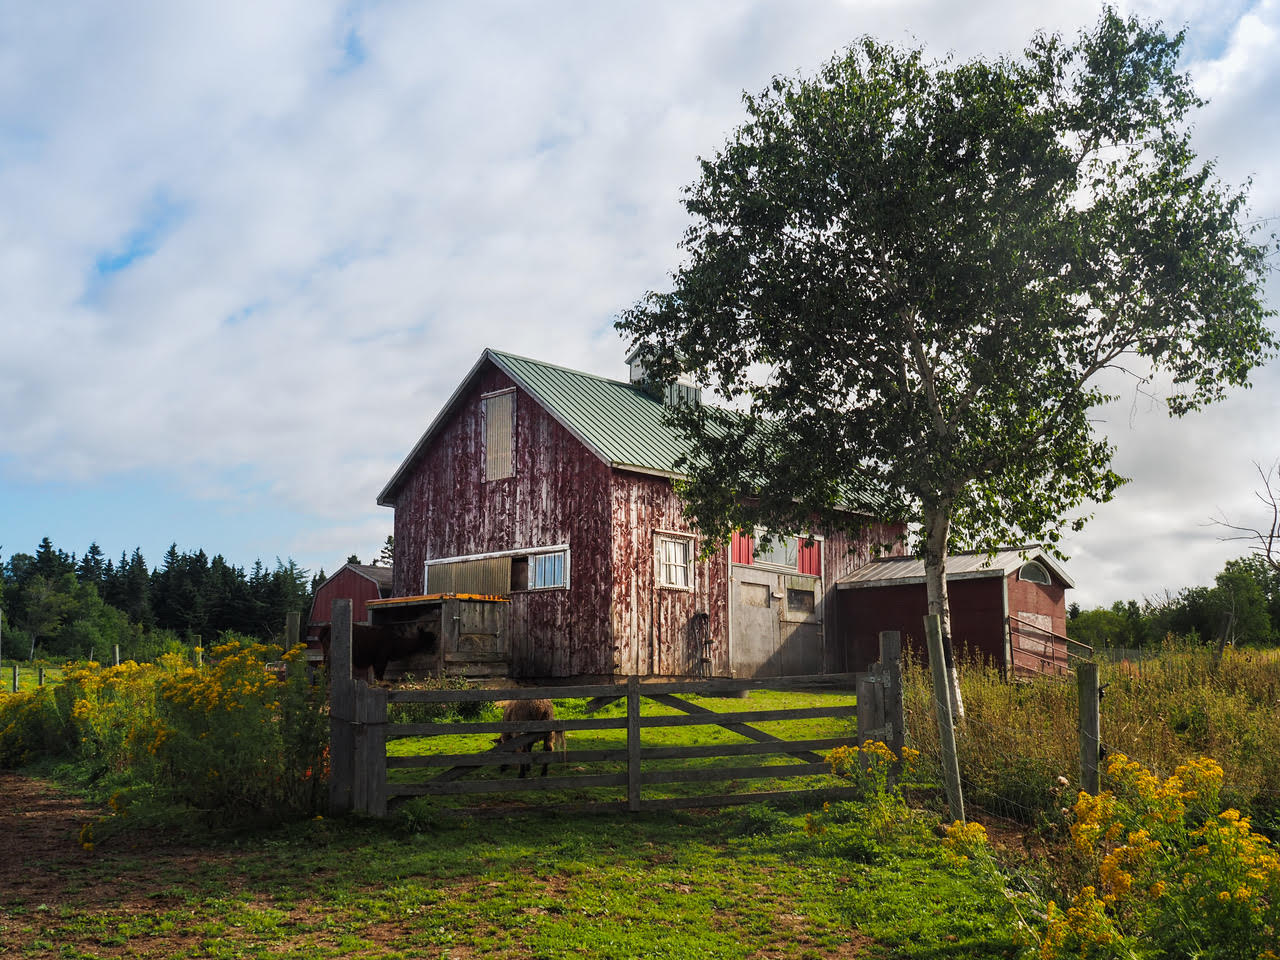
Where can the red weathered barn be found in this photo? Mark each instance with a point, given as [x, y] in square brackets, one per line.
[554, 488]
[1009, 608]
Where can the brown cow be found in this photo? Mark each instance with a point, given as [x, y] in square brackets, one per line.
[517, 710]
[376, 646]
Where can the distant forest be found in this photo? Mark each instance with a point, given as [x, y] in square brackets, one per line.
[1242, 607]
[58, 606]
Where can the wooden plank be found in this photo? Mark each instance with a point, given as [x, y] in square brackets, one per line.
[492, 758]
[612, 690]
[464, 787]
[715, 688]
[742, 749]
[748, 716]
[1090, 724]
[707, 774]
[772, 796]
[751, 733]
[633, 743]
[502, 726]
[341, 709]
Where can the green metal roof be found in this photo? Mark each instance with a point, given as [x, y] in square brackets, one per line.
[620, 422]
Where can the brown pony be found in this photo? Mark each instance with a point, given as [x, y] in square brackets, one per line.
[519, 710]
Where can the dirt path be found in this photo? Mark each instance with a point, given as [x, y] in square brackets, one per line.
[39, 838]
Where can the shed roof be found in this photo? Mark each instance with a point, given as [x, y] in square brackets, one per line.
[379, 575]
[900, 571]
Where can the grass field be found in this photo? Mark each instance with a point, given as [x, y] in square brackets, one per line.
[28, 675]
[742, 882]
[749, 882]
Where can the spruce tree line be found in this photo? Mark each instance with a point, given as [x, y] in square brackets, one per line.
[58, 606]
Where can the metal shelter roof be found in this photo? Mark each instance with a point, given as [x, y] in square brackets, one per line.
[900, 571]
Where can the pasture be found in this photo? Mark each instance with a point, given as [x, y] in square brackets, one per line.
[748, 882]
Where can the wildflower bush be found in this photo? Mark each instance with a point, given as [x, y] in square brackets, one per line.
[1156, 870]
[880, 810]
[233, 738]
[238, 738]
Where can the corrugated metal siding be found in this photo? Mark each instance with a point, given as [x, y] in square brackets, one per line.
[490, 577]
[499, 439]
[559, 494]
[809, 558]
[1003, 563]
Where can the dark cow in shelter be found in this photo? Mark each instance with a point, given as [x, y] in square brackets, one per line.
[376, 646]
[522, 710]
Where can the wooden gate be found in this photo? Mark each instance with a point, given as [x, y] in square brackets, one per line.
[360, 729]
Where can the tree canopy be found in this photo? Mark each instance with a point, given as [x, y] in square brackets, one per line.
[907, 275]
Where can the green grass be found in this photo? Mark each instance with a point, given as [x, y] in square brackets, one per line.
[28, 676]
[743, 883]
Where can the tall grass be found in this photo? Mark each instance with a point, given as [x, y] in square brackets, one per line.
[1019, 738]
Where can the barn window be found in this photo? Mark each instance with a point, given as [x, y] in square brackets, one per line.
[675, 561]
[499, 434]
[781, 551]
[1034, 573]
[548, 570]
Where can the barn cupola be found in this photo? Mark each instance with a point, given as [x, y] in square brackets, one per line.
[681, 390]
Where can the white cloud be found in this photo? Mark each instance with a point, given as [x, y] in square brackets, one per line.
[339, 236]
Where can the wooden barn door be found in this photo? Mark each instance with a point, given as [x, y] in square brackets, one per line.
[776, 623]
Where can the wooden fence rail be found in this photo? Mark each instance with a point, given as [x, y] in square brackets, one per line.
[360, 729]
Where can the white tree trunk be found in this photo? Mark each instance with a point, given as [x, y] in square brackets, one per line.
[937, 521]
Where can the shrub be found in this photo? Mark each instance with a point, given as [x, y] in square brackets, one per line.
[1163, 872]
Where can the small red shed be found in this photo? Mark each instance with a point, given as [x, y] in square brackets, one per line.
[1008, 608]
[356, 582]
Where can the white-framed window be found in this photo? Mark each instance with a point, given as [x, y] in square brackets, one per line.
[674, 554]
[549, 570]
[781, 552]
[1033, 572]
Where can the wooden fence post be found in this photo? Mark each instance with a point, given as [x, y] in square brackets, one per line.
[15, 678]
[891, 671]
[1090, 724]
[942, 708]
[633, 743]
[341, 709]
[40, 676]
[369, 757]
[292, 629]
[115, 654]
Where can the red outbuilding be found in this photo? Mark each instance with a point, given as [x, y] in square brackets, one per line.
[356, 582]
[1008, 608]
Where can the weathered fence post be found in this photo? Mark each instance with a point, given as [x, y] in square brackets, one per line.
[1090, 724]
[115, 654]
[633, 742]
[341, 709]
[369, 760]
[292, 629]
[942, 708]
[891, 667]
[40, 676]
[15, 678]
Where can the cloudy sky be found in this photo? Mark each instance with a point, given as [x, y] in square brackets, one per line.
[248, 248]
